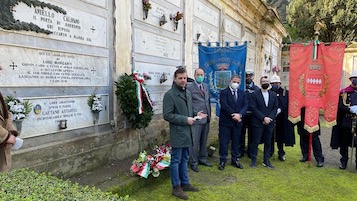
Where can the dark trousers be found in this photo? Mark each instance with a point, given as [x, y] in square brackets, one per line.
[267, 131]
[280, 146]
[198, 151]
[316, 147]
[229, 134]
[246, 126]
[345, 138]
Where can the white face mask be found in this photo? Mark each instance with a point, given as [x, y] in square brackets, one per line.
[234, 85]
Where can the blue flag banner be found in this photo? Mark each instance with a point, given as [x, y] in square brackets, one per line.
[219, 64]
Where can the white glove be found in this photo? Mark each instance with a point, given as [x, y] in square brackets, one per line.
[353, 109]
[278, 111]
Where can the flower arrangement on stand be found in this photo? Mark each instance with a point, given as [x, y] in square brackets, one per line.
[275, 69]
[19, 110]
[147, 164]
[95, 103]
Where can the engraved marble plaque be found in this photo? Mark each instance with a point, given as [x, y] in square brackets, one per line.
[32, 67]
[47, 113]
[76, 26]
[206, 13]
[152, 44]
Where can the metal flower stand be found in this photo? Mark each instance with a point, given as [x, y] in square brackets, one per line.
[18, 125]
[96, 121]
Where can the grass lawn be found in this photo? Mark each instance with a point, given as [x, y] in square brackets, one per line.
[291, 180]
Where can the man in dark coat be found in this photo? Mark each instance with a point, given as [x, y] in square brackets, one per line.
[304, 142]
[178, 111]
[250, 88]
[264, 105]
[342, 134]
[284, 129]
[234, 106]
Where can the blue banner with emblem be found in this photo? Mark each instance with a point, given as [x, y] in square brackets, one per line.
[219, 64]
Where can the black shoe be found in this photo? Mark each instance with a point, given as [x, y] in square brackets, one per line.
[221, 165]
[194, 168]
[268, 165]
[281, 157]
[303, 159]
[320, 164]
[237, 165]
[206, 163]
[343, 166]
[253, 164]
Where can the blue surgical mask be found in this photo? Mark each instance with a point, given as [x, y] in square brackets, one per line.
[199, 79]
[354, 82]
[274, 87]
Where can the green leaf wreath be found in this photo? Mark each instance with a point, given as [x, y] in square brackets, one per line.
[126, 94]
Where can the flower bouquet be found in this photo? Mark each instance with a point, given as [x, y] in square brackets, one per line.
[95, 102]
[146, 163]
[18, 107]
[146, 5]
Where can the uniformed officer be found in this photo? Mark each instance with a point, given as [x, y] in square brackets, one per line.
[343, 134]
[284, 129]
[250, 88]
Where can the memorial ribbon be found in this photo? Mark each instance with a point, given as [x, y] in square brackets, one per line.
[140, 88]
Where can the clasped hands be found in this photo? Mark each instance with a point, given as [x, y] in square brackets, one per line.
[236, 117]
[267, 120]
[353, 109]
[200, 115]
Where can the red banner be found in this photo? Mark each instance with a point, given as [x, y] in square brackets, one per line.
[315, 79]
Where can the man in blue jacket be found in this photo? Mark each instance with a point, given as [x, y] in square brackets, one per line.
[234, 106]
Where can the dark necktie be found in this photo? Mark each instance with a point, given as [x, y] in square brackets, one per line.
[235, 95]
[202, 92]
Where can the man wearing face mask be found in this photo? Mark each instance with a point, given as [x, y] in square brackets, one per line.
[264, 105]
[234, 106]
[250, 88]
[284, 129]
[200, 102]
[343, 134]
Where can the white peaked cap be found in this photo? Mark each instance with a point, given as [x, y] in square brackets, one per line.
[354, 74]
[249, 71]
[275, 78]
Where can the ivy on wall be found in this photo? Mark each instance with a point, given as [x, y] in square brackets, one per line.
[8, 22]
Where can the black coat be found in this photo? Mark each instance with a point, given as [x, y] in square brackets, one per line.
[342, 130]
[284, 129]
[260, 110]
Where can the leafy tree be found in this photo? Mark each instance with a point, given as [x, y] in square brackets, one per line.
[338, 19]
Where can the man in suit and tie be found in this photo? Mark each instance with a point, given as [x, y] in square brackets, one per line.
[234, 106]
[200, 102]
[264, 105]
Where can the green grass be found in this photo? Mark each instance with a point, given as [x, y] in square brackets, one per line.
[291, 180]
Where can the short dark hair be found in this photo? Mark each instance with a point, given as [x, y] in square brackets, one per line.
[263, 77]
[236, 76]
[179, 71]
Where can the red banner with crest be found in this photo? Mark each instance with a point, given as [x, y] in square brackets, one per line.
[314, 83]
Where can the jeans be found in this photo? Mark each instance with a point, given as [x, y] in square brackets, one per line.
[178, 166]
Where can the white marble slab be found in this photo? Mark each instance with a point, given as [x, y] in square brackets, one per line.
[206, 13]
[156, 45]
[50, 110]
[101, 3]
[76, 26]
[233, 28]
[23, 67]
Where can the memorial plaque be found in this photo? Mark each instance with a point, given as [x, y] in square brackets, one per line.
[156, 12]
[207, 33]
[101, 3]
[154, 87]
[76, 26]
[155, 45]
[206, 13]
[32, 67]
[48, 112]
